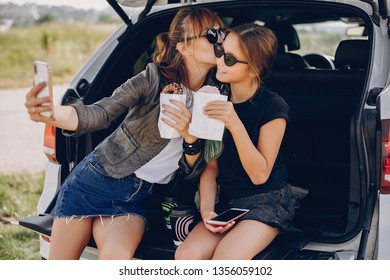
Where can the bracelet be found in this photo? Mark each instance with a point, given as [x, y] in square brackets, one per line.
[193, 148]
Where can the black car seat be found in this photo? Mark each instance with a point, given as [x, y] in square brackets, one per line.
[352, 55]
[288, 40]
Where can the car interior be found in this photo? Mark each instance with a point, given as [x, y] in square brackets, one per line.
[325, 98]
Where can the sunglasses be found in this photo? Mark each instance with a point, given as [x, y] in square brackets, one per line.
[213, 35]
[228, 58]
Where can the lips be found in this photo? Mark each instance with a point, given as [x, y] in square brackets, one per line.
[221, 72]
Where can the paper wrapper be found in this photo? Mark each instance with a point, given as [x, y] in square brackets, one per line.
[165, 130]
[202, 126]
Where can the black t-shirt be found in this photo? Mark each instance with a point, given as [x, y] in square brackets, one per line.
[234, 181]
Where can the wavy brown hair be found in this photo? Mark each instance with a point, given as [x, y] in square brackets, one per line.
[188, 22]
[259, 44]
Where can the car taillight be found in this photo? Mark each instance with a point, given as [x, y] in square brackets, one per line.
[49, 143]
[47, 239]
[385, 184]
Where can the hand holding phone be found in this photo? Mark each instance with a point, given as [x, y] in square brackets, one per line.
[227, 216]
[42, 73]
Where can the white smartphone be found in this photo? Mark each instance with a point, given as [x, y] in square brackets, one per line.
[227, 216]
[42, 73]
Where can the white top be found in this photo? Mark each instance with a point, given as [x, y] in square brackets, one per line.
[161, 169]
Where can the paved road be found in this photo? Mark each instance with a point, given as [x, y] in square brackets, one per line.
[21, 140]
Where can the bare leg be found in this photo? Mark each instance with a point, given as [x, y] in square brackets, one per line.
[245, 240]
[199, 245]
[68, 239]
[118, 238]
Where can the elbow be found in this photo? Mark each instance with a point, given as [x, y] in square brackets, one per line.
[259, 179]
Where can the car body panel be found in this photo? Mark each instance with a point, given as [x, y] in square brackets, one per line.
[384, 106]
[383, 246]
[378, 77]
[383, 243]
[98, 58]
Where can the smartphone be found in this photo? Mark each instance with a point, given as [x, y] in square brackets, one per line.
[227, 216]
[42, 73]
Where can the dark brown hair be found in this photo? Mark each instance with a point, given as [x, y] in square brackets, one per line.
[259, 44]
[188, 22]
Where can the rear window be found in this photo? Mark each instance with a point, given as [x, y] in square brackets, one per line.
[324, 37]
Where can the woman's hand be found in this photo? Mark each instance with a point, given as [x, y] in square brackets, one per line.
[178, 117]
[206, 215]
[223, 111]
[36, 105]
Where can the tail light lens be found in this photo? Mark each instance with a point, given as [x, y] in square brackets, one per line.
[46, 238]
[49, 143]
[385, 184]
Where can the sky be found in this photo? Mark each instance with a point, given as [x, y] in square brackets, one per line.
[81, 4]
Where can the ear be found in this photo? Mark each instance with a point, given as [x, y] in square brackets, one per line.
[252, 74]
[183, 48]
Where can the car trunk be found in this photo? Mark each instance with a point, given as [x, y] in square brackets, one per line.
[322, 147]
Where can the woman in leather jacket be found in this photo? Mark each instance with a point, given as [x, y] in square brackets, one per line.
[105, 195]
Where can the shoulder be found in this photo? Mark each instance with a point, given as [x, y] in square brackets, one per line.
[270, 98]
[154, 75]
[142, 84]
[268, 94]
[272, 104]
[152, 70]
[149, 78]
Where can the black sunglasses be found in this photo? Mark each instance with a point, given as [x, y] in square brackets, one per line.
[228, 58]
[213, 35]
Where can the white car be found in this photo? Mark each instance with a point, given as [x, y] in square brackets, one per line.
[333, 70]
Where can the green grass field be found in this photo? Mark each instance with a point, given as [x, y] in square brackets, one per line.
[19, 195]
[65, 46]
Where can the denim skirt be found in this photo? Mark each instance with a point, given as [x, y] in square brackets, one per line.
[89, 191]
[275, 208]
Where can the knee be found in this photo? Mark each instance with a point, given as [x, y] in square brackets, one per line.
[115, 254]
[186, 252]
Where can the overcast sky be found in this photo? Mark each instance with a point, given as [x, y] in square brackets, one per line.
[82, 4]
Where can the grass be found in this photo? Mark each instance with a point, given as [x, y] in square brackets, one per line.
[19, 195]
[65, 46]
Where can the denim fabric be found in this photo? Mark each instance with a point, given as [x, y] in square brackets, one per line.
[275, 208]
[90, 192]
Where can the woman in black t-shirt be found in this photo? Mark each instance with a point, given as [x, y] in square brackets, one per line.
[250, 171]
